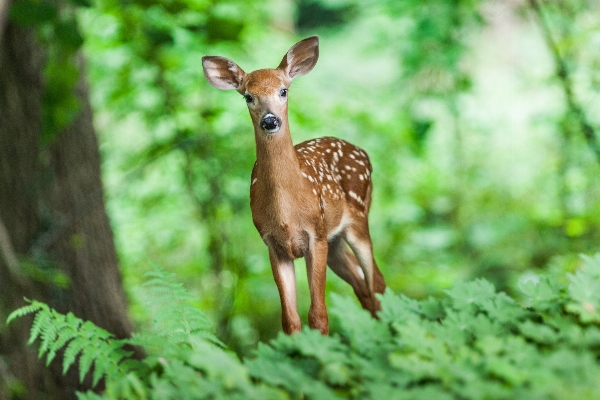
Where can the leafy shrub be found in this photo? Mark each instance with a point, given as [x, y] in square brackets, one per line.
[474, 343]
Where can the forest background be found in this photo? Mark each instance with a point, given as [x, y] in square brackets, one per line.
[480, 118]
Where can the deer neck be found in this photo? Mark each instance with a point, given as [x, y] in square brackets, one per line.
[277, 161]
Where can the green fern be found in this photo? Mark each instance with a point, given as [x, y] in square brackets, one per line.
[174, 317]
[25, 310]
[178, 327]
[83, 341]
[473, 343]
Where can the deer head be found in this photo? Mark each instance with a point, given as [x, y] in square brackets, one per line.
[265, 90]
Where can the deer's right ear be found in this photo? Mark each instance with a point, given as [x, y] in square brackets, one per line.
[222, 73]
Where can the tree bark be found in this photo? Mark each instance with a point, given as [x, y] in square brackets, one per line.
[52, 218]
[4, 5]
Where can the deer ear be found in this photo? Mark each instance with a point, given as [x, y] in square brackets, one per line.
[222, 73]
[301, 58]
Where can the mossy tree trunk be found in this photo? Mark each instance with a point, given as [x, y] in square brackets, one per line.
[56, 244]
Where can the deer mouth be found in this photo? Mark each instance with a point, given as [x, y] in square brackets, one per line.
[270, 123]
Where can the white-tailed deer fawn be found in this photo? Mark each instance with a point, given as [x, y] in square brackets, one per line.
[310, 200]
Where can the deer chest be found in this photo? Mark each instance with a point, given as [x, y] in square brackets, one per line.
[281, 225]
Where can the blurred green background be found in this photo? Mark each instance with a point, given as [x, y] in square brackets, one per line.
[479, 118]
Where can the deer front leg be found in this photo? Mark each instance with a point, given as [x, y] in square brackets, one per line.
[285, 278]
[316, 268]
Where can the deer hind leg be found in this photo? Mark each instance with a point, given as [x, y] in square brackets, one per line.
[359, 240]
[345, 265]
[285, 278]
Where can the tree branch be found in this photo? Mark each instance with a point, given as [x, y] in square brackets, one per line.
[565, 79]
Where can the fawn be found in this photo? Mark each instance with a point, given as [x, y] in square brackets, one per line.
[310, 200]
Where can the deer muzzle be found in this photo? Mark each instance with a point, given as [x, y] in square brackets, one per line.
[270, 123]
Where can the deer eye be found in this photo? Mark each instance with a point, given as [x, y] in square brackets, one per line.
[283, 92]
[248, 98]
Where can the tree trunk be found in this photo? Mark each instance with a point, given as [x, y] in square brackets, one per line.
[52, 218]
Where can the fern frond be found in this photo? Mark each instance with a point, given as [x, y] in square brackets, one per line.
[72, 351]
[92, 345]
[174, 315]
[65, 336]
[49, 333]
[42, 319]
[86, 359]
[21, 312]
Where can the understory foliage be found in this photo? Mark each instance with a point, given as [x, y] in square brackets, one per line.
[474, 343]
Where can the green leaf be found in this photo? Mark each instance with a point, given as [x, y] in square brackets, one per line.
[542, 294]
[466, 294]
[584, 291]
[273, 369]
[311, 344]
[542, 334]
[357, 324]
[400, 308]
[336, 374]
[432, 308]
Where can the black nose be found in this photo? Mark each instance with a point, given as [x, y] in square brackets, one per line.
[269, 122]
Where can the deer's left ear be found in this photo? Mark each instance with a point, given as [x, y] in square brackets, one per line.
[301, 58]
